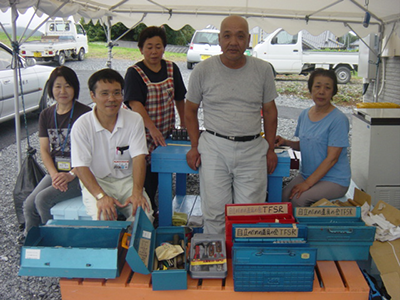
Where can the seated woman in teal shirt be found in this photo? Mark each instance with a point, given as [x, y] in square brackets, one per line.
[323, 132]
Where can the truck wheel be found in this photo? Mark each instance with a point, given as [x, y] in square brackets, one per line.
[81, 54]
[189, 65]
[343, 74]
[61, 58]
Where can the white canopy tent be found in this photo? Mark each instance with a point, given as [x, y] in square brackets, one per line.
[338, 16]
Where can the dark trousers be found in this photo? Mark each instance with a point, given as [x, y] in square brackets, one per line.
[151, 186]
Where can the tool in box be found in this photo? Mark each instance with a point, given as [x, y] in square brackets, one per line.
[208, 256]
[142, 258]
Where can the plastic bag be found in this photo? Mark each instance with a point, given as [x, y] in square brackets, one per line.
[29, 176]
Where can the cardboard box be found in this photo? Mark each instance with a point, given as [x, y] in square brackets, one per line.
[141, 253]
[383, 253]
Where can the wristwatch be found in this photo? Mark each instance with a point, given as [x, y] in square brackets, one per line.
[72, 173]
[99, 196]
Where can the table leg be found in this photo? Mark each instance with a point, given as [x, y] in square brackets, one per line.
[180, 184]
[274, 189]
[165, 199]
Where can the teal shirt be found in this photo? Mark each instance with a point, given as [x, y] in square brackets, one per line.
[316, 137]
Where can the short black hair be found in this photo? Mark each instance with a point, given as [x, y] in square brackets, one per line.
[106, 75]
[69, 76]
[323, 72]
[150, 32]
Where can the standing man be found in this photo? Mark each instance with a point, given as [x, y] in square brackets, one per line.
[231, 156]
[108, 152]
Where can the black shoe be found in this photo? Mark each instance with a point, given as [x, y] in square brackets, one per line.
[21, 239]
[21, 227]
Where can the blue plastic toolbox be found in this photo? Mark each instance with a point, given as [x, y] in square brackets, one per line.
[272, 257]
[337, 232]
[141, 253]
[74, 249]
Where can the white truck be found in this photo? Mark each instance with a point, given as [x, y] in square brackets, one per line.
[62, 40]
[287, 55]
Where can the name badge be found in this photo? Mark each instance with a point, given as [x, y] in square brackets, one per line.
[121, 164]
[63, 163]
[122, 158]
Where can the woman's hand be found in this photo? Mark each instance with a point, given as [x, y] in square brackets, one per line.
[157, 136]
[298, 189]
[279, 141]
[60, 180]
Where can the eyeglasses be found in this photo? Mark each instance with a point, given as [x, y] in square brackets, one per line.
[106, 95]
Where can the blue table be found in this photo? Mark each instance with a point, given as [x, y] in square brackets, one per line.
[172, 159]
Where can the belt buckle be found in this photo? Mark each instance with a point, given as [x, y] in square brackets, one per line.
[232, 138]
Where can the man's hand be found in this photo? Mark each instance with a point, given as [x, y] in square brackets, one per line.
[193, 158]
[106, 206]
[272, 160]
[138, 200]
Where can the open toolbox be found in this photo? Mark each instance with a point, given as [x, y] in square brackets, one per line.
[272, 257]
[250, 213]
[338, 233]
[208, 256]
[74, 249]
[169, 274]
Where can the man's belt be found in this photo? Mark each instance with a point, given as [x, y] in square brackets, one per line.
[235, 138]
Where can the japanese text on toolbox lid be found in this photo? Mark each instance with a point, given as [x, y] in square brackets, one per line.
[266, 232]
[257, 209]
[326, 211]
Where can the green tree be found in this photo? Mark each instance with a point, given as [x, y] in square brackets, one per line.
[96, 33]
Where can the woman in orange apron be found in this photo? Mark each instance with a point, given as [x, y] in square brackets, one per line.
[153, 87]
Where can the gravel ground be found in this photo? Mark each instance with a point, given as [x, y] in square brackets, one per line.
[14, 287]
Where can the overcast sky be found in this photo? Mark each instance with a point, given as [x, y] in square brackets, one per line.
[22, 20]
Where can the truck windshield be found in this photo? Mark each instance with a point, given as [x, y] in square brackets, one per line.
[284, 38]
[60, 27]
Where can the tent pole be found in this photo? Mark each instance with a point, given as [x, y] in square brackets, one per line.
[14, 17]
[110, 44]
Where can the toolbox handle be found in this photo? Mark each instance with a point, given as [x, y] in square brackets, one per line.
[330, 230]
[125, 240]
[289, 252]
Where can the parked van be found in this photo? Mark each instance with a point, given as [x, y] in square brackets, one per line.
[204, 44]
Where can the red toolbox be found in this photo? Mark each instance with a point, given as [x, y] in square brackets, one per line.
[279, 212]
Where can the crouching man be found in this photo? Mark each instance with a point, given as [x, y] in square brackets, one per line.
[108, 152]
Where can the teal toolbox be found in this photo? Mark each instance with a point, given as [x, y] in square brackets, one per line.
[74, 249]
[141, 253]
[272, 258]
[338, 233]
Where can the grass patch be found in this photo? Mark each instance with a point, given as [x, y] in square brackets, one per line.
[100, 50]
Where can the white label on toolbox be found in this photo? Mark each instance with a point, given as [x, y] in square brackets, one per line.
[326, 211]
[257, 209]
[146, 234]
[32, 254]
[266, 232]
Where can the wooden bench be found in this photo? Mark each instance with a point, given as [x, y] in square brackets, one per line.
[332, 281]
